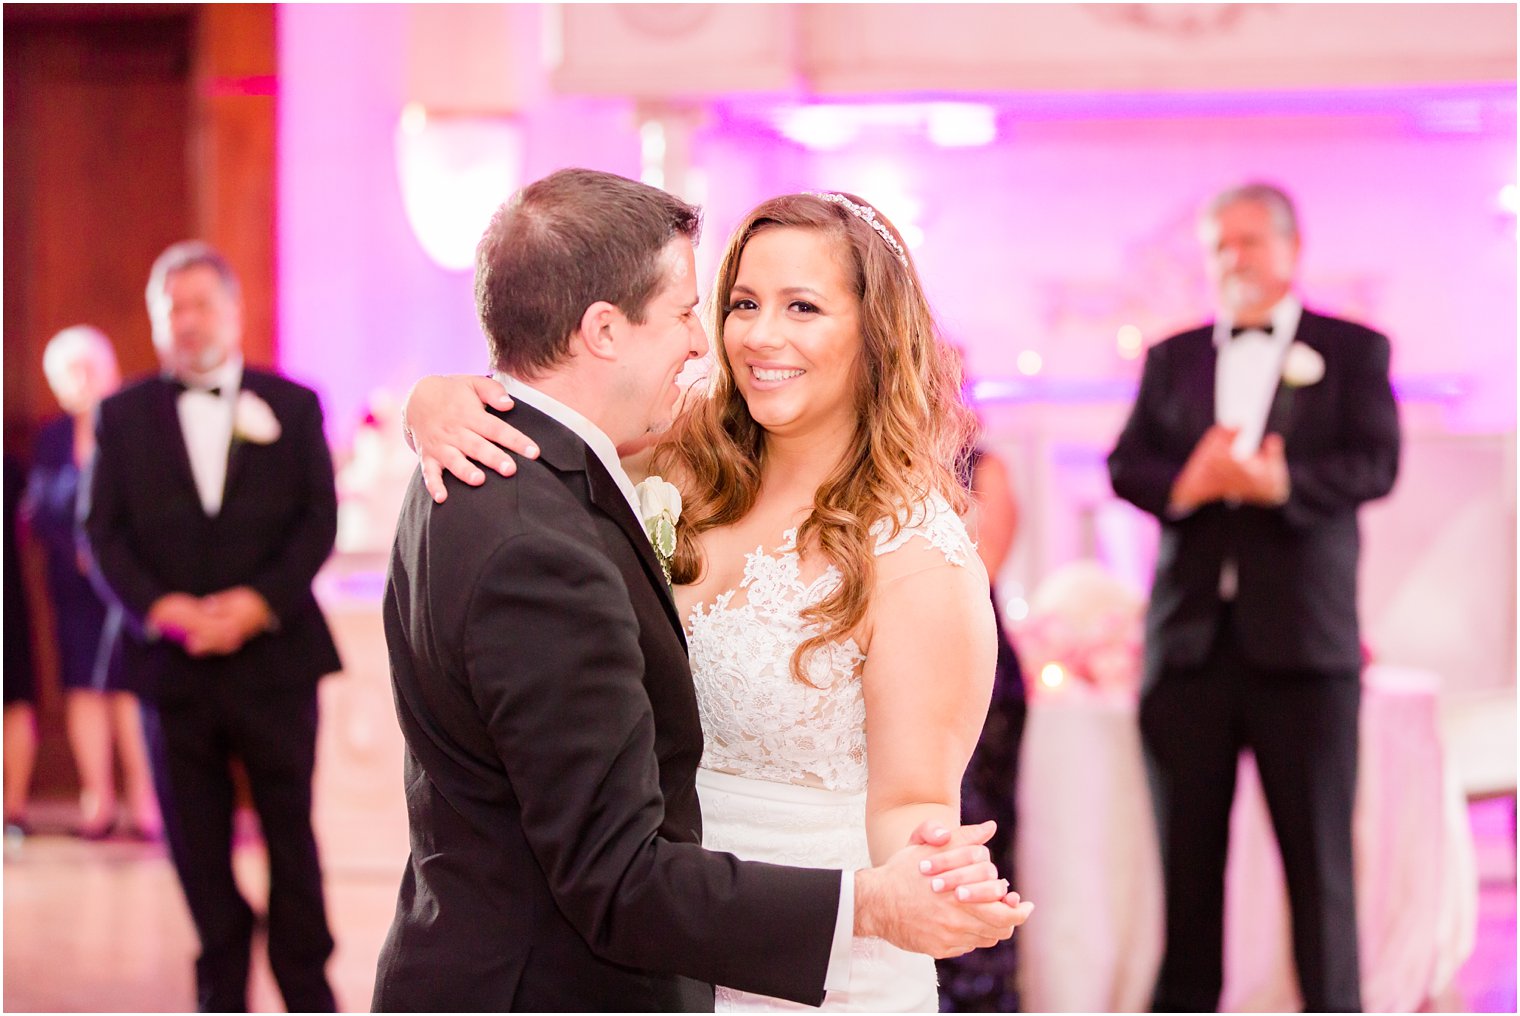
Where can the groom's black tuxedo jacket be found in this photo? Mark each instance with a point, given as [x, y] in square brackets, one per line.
[149, 535]
[1295, 605]
[552, 736]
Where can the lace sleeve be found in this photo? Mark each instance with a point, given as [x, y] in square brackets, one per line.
[933, 520]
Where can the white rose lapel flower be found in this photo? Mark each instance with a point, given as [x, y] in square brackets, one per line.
[660, 507]
[1302, 366]
[253, 421]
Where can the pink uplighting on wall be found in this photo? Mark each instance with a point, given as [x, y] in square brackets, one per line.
[1054, 247]
[1067, 227]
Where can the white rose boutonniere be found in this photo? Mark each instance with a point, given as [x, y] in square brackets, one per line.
[660, 507]
[1302, 366]
[253, 421]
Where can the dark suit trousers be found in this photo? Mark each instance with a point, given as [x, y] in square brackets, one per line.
[274, 735]
[1301, 725]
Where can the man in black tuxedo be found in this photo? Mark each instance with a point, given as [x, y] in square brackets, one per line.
[541, 679]
[1254, 440]
[210, 507]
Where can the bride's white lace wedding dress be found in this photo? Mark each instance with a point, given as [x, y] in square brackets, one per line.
[783, 775]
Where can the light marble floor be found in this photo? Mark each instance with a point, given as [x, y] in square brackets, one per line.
[102, 927]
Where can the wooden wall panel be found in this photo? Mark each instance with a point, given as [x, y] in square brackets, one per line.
[127, 128]
[96, 115]
[232, 152]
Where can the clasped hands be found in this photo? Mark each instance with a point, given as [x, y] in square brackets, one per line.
[218, 624]
[1213, 473]
[940, 895]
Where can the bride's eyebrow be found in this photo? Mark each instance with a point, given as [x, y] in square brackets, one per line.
[807, 291]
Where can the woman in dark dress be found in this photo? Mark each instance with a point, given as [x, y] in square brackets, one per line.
[20, 714]
[984, 980]
[100, 707]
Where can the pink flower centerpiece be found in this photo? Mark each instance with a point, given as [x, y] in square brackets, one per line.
[1084, 626]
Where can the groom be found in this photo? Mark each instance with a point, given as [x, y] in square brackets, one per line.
[541, 679]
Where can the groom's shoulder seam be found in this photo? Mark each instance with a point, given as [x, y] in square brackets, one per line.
[545, 497]
[535, 494]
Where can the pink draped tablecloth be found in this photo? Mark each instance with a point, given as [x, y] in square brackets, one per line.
[1087, 857]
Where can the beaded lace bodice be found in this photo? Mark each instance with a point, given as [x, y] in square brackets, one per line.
[758, 720]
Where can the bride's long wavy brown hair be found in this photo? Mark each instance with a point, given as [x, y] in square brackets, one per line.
[913, 426]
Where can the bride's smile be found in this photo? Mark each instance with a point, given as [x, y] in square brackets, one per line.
[792, 334]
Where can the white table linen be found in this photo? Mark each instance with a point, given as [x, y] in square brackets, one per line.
[1087, 857]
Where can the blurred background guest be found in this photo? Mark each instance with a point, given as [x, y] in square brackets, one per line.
[211, 507]
[101, 706]
[1255, 439]
[19, 674]
[985, 980]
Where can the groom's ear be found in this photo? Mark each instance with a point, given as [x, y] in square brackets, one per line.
[598, 331]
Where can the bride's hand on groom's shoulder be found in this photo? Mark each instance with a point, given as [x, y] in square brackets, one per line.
[445, 422]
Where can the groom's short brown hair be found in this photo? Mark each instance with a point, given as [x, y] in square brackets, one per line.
[561, 244]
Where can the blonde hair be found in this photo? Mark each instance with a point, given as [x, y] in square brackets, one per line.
[912, 429]
[76, 344]
[72, 343]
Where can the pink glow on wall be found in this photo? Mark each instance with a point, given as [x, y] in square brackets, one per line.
[1079, 225]
[363, 307]
[361, 303]
[1053, 254]
[1074, 223]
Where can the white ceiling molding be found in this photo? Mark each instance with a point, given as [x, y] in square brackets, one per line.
[675, 51]
[699, 50]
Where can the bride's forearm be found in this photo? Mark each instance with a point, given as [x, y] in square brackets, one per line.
[888, 829]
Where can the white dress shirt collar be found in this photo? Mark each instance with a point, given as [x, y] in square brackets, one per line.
[228, 377]
[1285, 317]
[596, 439]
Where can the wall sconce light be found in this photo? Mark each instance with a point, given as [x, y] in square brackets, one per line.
[455, 170]
[828, 127]
[1131, 342]
[820, 128]
[961, 124]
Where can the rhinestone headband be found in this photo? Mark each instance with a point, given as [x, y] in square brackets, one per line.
[868, 216]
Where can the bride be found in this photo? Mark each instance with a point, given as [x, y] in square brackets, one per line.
[841, 639]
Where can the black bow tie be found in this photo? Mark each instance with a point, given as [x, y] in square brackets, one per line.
[1265, 329]
[182, 387]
